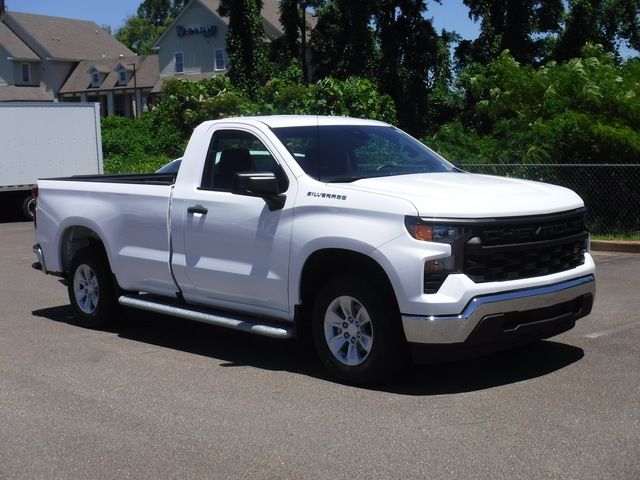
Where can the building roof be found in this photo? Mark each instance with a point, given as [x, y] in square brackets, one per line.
[271, 19]
[147, 72]
[12, 93]
[14, 46]
[101, 68]
[64, 38]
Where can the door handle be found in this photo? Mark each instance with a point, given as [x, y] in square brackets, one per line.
[197, 209]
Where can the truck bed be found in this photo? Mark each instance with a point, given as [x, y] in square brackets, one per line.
[129, 212]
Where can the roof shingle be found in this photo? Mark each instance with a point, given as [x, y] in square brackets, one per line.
[12, 93]
[14, 46]
[67, 39]
[147, 73]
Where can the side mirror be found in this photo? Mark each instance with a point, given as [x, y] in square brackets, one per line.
[259, 184]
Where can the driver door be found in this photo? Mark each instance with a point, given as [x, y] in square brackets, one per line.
[232, 250]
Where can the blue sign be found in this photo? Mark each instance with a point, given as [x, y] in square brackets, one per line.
[207, 31]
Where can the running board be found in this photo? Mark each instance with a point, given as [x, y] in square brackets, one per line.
[245, 324]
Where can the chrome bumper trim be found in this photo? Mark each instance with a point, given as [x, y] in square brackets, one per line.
[38, 251]
[456, 328]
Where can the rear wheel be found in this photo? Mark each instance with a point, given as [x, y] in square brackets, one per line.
[356, 330]
[91, 289]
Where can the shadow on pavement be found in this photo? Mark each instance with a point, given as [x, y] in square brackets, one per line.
[510, 366]
[242, 349]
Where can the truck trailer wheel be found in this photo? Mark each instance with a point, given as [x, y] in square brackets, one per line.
[91, 289]
[356, 330]
[28, 207]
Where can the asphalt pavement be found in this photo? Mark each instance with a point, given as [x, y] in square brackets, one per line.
[156, 397]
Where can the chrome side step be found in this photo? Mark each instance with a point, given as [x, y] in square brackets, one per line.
[245, 324]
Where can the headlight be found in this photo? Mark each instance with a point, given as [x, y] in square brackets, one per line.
[436, 271]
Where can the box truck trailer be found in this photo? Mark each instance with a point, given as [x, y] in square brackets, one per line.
[42, 140]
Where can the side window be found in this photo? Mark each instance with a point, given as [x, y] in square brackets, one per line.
[95, 79]
[179, 62]
[122, 77]
[231, 152]
[219, 59]
[26, 72]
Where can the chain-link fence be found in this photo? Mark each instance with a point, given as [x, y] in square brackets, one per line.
[611, 192]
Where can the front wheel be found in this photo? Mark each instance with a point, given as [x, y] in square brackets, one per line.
[356, 330]
[91, 289]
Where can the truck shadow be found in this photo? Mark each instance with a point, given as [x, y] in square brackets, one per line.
[236, 349]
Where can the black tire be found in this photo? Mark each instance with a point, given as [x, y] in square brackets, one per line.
[355, 358]
[28, 207]
[91, 289]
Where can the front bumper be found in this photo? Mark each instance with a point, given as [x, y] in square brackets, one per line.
[503, 319]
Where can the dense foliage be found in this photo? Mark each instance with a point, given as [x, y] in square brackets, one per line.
[586, 110]
[142, 145]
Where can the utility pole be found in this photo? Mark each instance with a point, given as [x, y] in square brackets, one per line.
[135, 91]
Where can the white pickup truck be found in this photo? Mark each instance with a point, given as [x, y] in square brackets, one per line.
[348, 229]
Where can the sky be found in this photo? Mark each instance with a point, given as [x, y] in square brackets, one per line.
[452, 15]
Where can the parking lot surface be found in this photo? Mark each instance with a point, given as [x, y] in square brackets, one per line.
[157, 397]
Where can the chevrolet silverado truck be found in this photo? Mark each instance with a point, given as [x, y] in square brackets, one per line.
[348, 232]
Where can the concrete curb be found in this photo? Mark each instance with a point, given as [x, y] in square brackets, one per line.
[615, 246]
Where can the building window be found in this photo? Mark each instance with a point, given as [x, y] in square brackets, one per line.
[219, 59]
[26, 73]
[122, 77]
[95, 79]
[179, 62]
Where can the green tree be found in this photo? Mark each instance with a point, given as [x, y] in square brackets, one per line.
[293, 17]
[414, 60]
[187, 104]
[606, 22]
[139, 35]
[141, 31]
[586, 110]
[156, 12]
[343, 42]
[138, 145]
[518, 26]
[248, 66]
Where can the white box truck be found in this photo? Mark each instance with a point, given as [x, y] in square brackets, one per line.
[41, 140]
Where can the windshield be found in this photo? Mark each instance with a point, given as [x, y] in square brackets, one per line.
[346, 153]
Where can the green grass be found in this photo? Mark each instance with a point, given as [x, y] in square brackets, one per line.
[617, 236]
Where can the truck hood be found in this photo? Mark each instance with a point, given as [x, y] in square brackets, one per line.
[467, 195]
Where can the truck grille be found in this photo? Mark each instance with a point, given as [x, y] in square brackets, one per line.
[512, 249]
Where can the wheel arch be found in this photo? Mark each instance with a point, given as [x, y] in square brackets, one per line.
[75, 238]
[325, 263]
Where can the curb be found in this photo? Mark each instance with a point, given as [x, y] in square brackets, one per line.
[615, 246]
